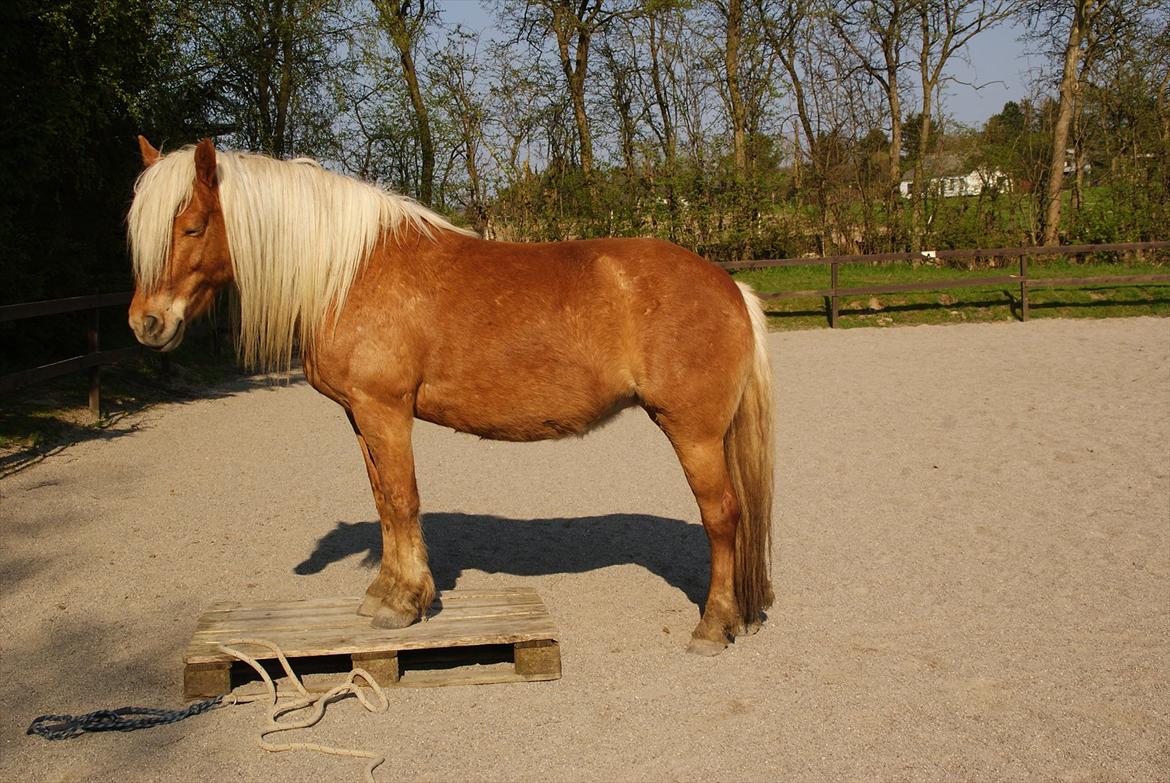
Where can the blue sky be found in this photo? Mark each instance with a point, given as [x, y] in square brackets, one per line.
[996, 56]
[997, 60]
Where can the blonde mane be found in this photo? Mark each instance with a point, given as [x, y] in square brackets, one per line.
[298, 236]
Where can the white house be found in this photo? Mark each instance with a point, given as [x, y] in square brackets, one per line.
[971, 184]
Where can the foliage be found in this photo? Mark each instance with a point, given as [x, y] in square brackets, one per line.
[69, 75]
[787, 148]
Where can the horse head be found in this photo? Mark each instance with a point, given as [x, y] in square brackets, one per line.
[180, 264]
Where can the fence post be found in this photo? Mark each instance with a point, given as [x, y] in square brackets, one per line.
[833, 306]
[93, 342]
[1023, 286]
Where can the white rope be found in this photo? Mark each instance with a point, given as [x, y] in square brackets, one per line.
[307, 700]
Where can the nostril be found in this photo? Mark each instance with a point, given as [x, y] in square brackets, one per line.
[150, 324]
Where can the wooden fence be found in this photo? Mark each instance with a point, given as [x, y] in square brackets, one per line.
[92, 360]
[834, 292]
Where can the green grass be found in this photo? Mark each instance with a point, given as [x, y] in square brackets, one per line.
[955, 305]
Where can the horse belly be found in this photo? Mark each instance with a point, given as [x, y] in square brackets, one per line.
[524, 401]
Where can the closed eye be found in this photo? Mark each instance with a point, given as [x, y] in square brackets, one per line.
[194, 231]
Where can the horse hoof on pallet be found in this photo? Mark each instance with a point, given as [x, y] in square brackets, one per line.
[391, 619]
[369, 606]
[705, 647]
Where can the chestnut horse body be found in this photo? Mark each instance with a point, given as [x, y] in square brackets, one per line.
[506, 341]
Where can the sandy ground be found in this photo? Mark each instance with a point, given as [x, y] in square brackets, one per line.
[973, 577]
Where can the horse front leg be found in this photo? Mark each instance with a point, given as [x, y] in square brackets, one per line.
[403, 589]
[380, 587]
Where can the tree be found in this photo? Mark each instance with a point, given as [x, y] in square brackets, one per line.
[1078, 20]
[572, 24]
[263, 68]
[943, 28]
[405, 23]
[70, 84]
[1118, 136]
[454, 72]
[785, 26]
[732, 13]
[661, 59]
[78, 80]
[875, 32]
[621, 76]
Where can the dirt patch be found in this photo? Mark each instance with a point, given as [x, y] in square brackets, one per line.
[972, 561]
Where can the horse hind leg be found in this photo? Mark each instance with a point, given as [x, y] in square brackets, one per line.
[705, 466]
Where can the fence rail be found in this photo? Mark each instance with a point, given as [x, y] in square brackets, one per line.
[92, 360]
[834, 292]
[16, 312]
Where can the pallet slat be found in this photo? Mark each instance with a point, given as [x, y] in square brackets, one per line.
[321, 636]
[295, 643]
[346, 607]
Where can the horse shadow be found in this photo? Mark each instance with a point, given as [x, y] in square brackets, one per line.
[673, 550]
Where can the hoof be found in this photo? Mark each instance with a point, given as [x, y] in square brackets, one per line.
[389, 619]
[752, 628]
[369, 605]
[705, 647]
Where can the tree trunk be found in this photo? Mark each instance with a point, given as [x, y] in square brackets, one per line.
[285, 89]
[1078, 192]
[425, 143]
[1069, 88]
[895, 103]
[1163, 104]
[918, 191]
[470, 142]
[266, 34]
[668, 134]
[893, 196]
[927, 84]
[787, 55]
[797, 164]
[864, 29]
[575, 66]
[731, 63]
[394, 19]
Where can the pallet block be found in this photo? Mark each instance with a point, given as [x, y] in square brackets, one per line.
[512, 626]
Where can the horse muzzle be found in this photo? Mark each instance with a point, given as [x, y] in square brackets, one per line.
[158, 331]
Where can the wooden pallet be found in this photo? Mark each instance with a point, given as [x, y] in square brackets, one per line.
[510, 630]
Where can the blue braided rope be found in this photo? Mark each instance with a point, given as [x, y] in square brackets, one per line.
[57, 727]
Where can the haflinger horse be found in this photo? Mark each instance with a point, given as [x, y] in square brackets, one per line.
[398, 314]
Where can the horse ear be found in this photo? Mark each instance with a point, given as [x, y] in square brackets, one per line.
[150, 155]
[205, 164]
